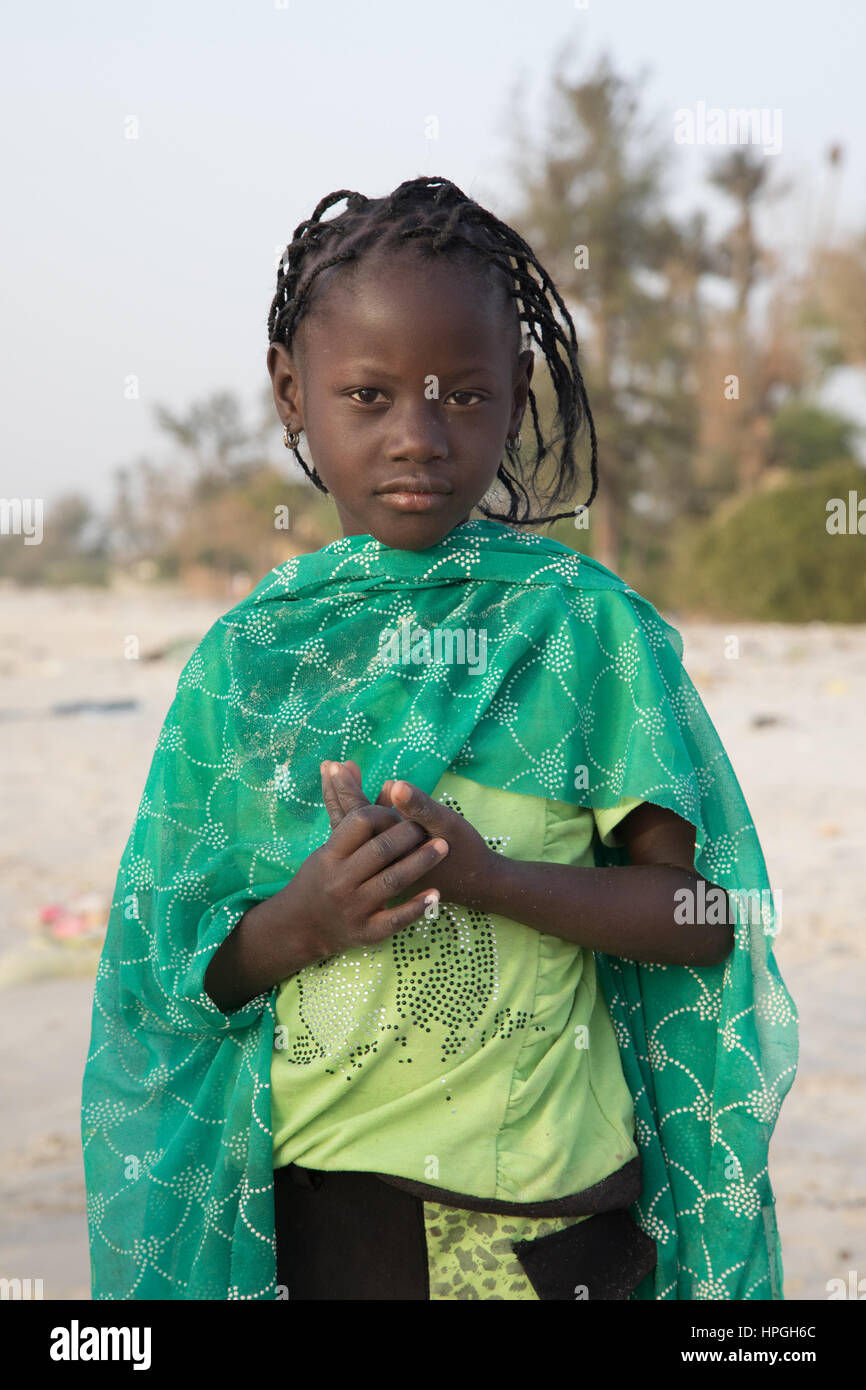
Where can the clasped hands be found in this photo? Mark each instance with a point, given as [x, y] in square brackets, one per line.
[469, 863]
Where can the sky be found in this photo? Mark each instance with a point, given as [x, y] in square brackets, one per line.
[152, 260]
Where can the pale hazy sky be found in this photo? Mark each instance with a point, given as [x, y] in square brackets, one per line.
[156, 256]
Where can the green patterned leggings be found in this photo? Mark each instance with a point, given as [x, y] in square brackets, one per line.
[470, 1255]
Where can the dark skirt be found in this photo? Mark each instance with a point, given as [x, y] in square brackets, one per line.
[351, 1236]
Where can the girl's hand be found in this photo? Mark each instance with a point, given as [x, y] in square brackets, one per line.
[470, 865]
[343, 894]
[341, 789]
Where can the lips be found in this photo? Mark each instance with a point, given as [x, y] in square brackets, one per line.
[415, 485]
[412, 501]
[414, 494]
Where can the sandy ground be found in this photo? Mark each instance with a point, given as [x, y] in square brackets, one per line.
[788, 708]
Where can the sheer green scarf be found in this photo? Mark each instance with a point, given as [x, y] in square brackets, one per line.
[580, 696]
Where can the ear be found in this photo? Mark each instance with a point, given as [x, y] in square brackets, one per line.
[286, 380]
[526, 364]
[522, 377]
[279, 359]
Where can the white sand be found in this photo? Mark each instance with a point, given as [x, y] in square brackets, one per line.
[71, 787]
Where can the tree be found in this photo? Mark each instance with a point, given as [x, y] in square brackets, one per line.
[214, 435]
[597, 182]
[834, 303]
[756, 357]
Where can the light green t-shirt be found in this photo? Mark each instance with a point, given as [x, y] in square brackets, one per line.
[469, 1052]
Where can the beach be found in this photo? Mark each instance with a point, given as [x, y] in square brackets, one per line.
[86, 679]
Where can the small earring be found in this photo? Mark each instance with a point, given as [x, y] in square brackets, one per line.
[290, 439]
[517, 441]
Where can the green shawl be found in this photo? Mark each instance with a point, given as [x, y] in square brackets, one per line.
[584, 699]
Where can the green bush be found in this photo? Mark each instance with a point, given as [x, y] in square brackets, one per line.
[806, 437]
[772, 558]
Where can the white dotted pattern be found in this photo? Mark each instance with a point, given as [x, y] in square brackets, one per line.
[582, 672]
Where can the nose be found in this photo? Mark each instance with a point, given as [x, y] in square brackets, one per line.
[418, 432]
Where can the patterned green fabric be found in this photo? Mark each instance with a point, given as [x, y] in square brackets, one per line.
[470, 1254]
[584, 699]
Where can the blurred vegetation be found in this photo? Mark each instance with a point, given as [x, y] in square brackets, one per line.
[215, 521]
[771, 557]
[74, 548]
[704, 356]
[805, 437]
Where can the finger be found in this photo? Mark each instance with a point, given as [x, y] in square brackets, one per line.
[357, 827]
[330, 797]
[334, 791]
[392, 919]
[384, 797]
[346, 787]
[403, 873]
[392, 843]
[416, 805]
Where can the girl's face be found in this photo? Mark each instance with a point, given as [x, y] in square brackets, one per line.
[405, 375]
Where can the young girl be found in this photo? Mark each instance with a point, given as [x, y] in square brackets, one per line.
[434, 969]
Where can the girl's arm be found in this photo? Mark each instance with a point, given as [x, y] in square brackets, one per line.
[629, 910]
[267, 945]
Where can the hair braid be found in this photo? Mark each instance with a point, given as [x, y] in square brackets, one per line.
[435, 214]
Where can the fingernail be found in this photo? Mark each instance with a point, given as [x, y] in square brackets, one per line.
[400, 789]
[441, 846]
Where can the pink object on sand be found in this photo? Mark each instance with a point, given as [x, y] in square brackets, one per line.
[68, 926]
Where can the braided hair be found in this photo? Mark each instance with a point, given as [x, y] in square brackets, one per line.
[442, 220]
